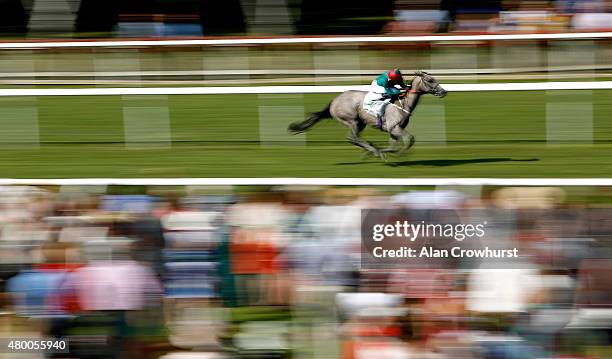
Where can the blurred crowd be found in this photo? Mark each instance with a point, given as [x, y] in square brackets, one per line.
[167, 18]
[495, 16]
[274, 272]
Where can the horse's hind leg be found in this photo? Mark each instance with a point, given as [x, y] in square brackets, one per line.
[407, 139]
[355, 129]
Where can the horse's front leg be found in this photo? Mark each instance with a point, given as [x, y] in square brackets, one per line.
[407, 139]
[396, 128]
[392, 144]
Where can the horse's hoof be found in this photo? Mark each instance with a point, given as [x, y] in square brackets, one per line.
[403, 151]
[378, 154]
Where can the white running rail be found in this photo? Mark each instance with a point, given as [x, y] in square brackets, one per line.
[312, 181]
[303, 40]
[508, 86]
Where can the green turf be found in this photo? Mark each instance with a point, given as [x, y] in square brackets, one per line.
[489, 134]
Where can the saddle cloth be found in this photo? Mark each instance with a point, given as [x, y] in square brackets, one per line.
[372, 103]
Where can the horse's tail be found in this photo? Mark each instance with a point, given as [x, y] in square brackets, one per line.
[302, 126]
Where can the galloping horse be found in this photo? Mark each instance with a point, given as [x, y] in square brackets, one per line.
[347, 108]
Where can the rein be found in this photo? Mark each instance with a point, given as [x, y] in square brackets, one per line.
[402, 103]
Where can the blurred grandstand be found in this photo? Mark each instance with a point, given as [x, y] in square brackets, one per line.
[274, 272]
[165, 18]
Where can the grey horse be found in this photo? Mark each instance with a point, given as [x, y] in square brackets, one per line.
[347, 108]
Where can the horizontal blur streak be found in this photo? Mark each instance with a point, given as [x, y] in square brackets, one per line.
[274, 272]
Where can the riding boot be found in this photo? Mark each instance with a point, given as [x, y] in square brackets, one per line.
[379, 116]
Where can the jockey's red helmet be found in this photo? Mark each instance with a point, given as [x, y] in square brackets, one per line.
[395, 74]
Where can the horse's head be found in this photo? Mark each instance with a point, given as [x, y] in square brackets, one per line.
[425, 83]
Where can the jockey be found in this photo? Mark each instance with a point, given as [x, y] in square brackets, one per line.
[388, 86]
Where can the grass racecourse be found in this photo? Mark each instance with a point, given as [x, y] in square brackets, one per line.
[488, 134]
